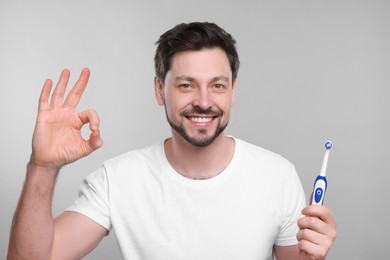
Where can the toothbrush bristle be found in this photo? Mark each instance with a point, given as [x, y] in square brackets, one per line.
[328, 145]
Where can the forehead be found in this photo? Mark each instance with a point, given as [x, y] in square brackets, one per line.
[202, 64]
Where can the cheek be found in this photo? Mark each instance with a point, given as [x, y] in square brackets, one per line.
[224, 103]
[173, 109]
[177, 103]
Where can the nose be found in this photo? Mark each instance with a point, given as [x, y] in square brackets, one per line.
[202, 99]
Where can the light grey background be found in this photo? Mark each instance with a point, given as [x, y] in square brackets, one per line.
[311, 71]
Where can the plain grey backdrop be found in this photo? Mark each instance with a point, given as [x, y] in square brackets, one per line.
[311, 71]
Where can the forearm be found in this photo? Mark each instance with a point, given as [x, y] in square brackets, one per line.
[32, 229]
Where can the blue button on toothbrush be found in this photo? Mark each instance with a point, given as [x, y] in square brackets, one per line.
[321, 183]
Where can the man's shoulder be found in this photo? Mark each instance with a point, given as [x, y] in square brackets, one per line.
[139, 155]
[259, 154]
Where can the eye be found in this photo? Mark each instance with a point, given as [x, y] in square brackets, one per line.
[185, 86]
[218, 86]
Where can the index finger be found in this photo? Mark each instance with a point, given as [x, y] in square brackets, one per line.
[74, 95]
[319, 211]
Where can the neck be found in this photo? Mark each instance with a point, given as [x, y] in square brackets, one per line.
[199, 162]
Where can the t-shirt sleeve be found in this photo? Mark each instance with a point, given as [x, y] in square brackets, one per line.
[293, 202]
[93, 198]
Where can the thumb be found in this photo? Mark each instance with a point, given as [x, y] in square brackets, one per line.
[95, 141]
[92, 118]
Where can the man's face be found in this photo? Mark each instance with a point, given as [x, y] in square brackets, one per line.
[198, 94]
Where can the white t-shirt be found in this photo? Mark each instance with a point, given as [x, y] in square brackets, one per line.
[159, 214]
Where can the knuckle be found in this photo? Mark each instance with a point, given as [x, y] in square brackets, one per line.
[302, 244]
[333, 235]
[92, 112]
[300, 221]
[307, 222]
[304, 234]
[299, 235]
[310, 221]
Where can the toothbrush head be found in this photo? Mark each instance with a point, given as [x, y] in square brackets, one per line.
[328, 145]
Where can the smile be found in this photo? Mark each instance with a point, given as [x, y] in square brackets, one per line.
[201, 119]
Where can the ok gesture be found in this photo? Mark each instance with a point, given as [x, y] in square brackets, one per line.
[57, 139]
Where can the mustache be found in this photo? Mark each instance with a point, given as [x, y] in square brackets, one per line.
[200, 111]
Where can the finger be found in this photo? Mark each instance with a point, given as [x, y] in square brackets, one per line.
[318, 226]
[74, 95]
[90, 117]
[310, 235]
[312, 223]
[45, 94]
[58, 94]
[95, 141]
[320, 211]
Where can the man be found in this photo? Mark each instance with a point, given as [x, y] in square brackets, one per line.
[200, 194]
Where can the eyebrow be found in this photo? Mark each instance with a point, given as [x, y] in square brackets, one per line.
[191, 79]
[185, 78]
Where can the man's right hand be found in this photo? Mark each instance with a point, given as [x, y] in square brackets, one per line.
[57, 139]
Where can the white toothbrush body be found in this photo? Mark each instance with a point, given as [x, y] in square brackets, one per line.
[321, 183]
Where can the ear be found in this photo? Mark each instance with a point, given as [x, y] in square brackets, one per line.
[159, 91]
[233, 101]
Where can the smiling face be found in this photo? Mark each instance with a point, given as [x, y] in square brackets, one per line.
[198, 94]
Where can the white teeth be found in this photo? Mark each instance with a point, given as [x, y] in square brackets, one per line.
[201, 119]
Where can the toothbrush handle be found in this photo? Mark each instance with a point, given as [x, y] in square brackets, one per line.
[319, 190]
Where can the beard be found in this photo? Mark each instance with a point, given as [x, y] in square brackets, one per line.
[201, 139]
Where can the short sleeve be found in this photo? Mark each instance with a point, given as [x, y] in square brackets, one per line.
[93, 198]
[293, 203]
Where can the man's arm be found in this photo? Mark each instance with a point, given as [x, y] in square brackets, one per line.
[317, 232]
[57, 141]
[286, 252]
[75, 236]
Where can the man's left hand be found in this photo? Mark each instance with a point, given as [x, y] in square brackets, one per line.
[317, 232]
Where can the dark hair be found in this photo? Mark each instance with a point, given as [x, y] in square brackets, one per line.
[193, 36]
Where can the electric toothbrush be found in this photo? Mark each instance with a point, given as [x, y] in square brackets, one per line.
[321, 183]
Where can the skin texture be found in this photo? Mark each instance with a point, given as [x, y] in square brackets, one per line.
[198, 81]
